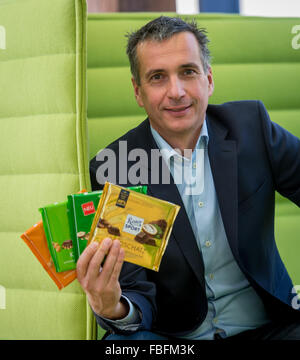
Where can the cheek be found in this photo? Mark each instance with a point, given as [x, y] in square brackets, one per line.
[200, 93]
[154, 100]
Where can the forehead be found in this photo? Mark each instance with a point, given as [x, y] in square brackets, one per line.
[181, 48]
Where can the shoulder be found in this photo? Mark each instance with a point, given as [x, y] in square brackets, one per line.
[235, 109]
[238, 116]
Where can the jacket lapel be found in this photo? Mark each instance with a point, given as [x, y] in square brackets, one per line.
[223, 161]
[182, 230]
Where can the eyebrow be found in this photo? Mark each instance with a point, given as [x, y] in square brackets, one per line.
[183, 66]
[190, 65]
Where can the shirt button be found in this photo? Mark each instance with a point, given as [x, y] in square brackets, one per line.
[194, 165]
[211, 276]
[200, 204]
[207, 243]
[215, 320]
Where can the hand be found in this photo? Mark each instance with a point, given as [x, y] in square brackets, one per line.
[102, 284]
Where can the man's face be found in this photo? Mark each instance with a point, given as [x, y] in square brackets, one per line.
[174, 88]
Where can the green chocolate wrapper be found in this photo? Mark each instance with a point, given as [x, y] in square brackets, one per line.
[57, 231]
[81, 211]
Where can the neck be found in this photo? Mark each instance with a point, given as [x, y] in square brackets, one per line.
[181, 141]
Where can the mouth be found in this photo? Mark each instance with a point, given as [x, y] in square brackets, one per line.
[178, 110]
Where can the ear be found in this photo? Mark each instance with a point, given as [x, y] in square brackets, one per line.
[210, 79]
[137, 92]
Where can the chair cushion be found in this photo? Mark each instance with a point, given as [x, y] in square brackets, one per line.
[44, 157]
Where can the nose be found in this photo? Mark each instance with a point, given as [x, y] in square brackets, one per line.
[176, 88]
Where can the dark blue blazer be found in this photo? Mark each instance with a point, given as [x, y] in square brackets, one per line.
[251, 158]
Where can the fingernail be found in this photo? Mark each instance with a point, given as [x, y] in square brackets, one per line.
[116, 243]
[106, 242]
[94, 245]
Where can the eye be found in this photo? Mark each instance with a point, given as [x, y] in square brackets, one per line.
[156, 77]
[189, 72]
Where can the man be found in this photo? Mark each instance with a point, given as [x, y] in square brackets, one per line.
[221, 276]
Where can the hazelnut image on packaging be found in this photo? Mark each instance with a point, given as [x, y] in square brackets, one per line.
[81, 234]
[149, 229]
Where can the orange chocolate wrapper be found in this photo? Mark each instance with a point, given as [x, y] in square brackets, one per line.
[35, 238]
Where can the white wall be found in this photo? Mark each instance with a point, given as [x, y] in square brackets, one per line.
[187, 6]
[284, 8]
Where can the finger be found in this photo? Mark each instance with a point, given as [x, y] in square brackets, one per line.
[114, 278]
[97, 259]
[110, 262]
[84, 259]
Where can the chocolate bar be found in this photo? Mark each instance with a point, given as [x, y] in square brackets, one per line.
[102, 223]
[142, 224]
[57, 231]
[144, 238]
[161, 225]
[36, 239]
[67, 244]
[141, 237]
[113, 230]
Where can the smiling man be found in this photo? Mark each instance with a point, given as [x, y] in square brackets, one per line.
[174, 93]
[221, 276]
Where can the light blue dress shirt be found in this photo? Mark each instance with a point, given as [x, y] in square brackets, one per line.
[233, 305]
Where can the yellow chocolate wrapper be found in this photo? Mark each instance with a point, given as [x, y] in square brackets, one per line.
[142, 223]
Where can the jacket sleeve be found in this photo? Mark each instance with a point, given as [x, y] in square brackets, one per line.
[283, 150]
[132, 322]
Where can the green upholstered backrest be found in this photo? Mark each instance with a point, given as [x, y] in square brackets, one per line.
[44, 158]
[253, 58]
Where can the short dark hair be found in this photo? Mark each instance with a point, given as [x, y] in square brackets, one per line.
[163, 28]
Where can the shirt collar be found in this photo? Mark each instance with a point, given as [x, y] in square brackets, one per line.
[168, 151]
